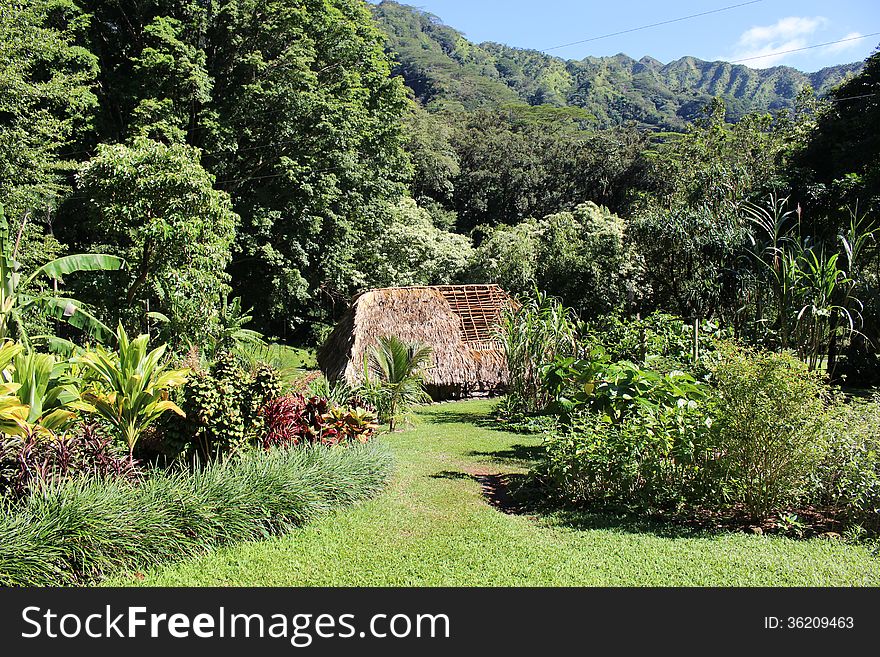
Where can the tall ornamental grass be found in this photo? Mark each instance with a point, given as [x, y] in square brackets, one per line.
[80, 531]
[533, 334]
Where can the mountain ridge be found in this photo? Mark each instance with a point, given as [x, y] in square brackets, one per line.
[447, 71]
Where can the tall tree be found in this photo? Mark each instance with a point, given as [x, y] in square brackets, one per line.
[297, 116]
[46, 104]
[841, 159]
[155, 206]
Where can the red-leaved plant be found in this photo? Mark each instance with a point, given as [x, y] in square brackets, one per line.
[35, 459]
[295, 419]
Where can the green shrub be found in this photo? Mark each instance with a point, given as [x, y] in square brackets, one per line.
[222, 407]
[618, 389]
[751, 439]
[769, 412]
[635, 463]
[82, 530]
[848, 477]
[659, 341]
[629, 435]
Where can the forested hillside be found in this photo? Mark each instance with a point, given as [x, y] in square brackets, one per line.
[266, 150]
[445, 70]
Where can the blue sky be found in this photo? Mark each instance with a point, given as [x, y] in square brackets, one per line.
[754, 33]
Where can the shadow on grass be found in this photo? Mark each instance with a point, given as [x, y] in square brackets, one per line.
[460, 417]
[518, 494]
[450, 474]
[621, 522]
[518, 454]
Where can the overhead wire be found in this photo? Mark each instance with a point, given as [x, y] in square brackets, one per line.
[650, 25]
[817, 45]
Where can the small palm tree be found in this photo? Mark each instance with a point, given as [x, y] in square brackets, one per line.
[231, 335]
[401, 385]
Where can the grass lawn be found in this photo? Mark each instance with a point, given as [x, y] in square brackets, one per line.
[291, 357]
[433, 527]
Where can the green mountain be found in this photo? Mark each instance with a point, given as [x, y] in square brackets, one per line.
[445, 70]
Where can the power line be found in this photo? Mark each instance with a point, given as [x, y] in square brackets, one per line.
[840, 100]
[818, 45]
[645, 27]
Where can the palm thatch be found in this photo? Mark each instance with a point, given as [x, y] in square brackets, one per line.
[458, 322]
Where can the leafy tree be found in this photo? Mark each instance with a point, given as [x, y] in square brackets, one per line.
[297, 118]
[46, 106]
[841, 158]
[412, 251]
[691, 259]
[718, 164]
[46, 101]
[155, 206]
[512, 169]
[433, 157]
[508, 255]
[173, 80]
[583, 257]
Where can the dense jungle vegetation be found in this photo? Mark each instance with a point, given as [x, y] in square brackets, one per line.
[264, 150]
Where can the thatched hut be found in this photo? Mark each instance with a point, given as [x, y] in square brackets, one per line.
[456, 321]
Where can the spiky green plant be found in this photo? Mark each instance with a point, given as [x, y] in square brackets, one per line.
[231, 336]
[130, 386]
[773, 248]
[535, 332]
[401, 382]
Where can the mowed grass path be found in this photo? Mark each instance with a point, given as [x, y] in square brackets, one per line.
[433, 527]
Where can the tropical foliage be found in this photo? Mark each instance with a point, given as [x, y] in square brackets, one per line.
[394, 381]
[695, 300]
[129, 386]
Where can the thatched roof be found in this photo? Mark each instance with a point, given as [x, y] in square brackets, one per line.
[456, 321]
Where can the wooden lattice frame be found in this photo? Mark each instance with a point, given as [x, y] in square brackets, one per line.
[479, 307]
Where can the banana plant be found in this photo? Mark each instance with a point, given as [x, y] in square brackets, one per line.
[129, 386]
[19, 294]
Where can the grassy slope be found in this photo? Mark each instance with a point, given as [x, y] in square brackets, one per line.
[434, 528]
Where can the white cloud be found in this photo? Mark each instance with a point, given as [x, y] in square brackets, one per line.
[851, 40]
[762, 46]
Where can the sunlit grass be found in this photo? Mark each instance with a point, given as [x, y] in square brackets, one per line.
[433, 527]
